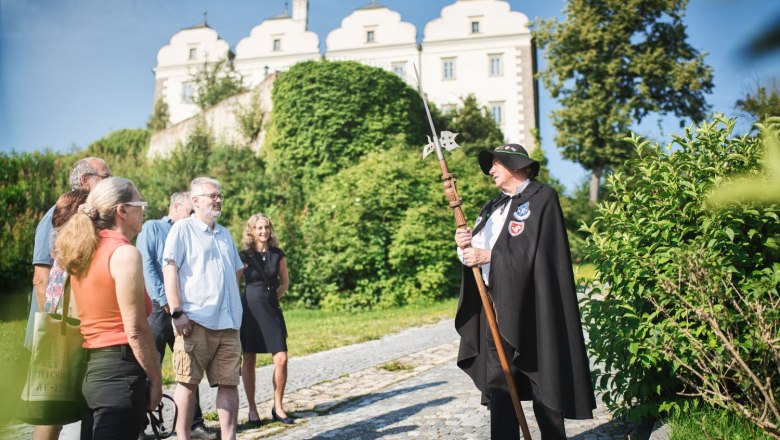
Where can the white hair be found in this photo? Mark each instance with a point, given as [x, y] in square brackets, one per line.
[200, 182]
[178, 197]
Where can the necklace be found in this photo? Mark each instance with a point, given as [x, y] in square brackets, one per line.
[263, 254]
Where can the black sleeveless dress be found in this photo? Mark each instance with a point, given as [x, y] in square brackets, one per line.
[262, 328]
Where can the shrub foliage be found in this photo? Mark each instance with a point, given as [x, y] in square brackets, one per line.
[363, 220]
[680, 284]
[328, 114]
[30, 185]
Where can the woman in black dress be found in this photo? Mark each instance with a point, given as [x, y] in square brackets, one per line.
[262, 328]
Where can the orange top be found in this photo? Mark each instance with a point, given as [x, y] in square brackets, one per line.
[101, 321]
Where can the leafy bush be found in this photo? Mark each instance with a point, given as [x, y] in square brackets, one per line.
[363, 220]
[328, 114]
[251, 118]
[215, 82]
[126, 143]
[160, 117]
[29, 185]
[379, 233]
[578, 210]
[666, 264]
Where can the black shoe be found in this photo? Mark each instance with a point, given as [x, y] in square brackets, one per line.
[256, 423]
[285, 420]
[200, 431]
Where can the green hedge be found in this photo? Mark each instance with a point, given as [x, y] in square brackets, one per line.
[328, 114]
[666, 264]
[362, 218]
[29, 185]
[380, 233]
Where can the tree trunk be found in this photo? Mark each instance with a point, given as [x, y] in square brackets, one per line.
[595, 176]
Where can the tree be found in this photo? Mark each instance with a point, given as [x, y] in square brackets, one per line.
[216, 82]
[328, 114]
[160, 117]
[762, 103]
[611, 64]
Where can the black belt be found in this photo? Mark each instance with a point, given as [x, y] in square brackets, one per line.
[124, 350]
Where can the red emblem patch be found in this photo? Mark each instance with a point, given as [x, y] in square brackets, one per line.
[516, 228]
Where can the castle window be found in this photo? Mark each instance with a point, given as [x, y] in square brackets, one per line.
[193, 53]
[187, 93]
[277, 45]
[448, 68]
[398, 69]
[474, 27]
[369, 36]
[496, 65]
[497, 112]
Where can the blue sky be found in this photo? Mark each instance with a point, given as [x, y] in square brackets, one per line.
[71, 71]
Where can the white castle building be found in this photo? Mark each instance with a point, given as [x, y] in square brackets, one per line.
[478, 47]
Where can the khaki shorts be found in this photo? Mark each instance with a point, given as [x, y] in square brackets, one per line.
[217, 352]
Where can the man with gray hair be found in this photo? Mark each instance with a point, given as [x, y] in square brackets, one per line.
[84, 174]
[201, 271]
[151, 243]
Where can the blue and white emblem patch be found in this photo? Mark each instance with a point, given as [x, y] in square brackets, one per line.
[522, 212]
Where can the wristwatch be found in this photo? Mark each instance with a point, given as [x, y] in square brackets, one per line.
[176, 314]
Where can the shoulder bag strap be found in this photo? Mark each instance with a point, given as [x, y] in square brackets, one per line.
[65, 304]
[257, 266]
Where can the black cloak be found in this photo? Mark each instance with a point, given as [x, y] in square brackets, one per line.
[532, 286]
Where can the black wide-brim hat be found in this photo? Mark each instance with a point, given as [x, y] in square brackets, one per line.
[513, 156]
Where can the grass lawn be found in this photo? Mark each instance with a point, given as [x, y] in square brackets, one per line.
[13, 366]
[713, 423]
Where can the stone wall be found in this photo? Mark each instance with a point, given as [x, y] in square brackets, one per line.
[221, 120]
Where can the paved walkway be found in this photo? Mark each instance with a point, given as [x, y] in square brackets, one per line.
[404, 385]
[429, 398]
[307, 371]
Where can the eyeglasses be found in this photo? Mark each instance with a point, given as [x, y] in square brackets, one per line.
[102, 176]
[142, 205]
[212, 196]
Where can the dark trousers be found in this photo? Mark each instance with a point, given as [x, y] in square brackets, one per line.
[162, 332]
[504, 424]
[114, 389]
[503, 420]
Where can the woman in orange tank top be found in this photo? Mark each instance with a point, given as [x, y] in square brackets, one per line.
[107, 281]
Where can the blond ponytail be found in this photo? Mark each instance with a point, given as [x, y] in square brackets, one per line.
[76, 243]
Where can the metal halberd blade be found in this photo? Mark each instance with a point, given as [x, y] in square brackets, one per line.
[446, 140]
